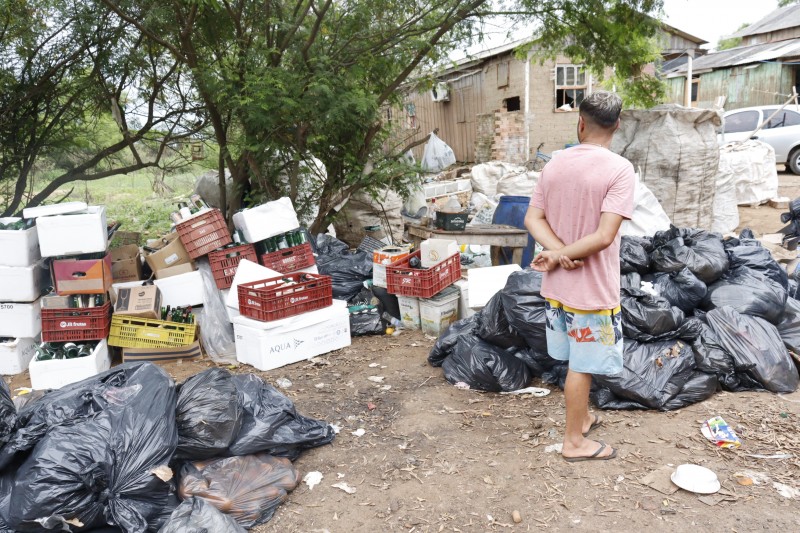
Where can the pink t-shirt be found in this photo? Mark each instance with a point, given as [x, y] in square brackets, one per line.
[575, 187]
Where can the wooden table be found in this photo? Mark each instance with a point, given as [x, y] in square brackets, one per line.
[498, 236]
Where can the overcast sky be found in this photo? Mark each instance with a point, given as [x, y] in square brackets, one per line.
[712, 19]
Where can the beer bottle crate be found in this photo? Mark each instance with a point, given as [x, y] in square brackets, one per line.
[289, 259]
[289, 295]
[204, 233]
[136, 332]
[225, 261]
[76, 324]
[403, 280]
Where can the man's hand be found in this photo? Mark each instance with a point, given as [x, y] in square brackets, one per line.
[546, 261]
[570, 264]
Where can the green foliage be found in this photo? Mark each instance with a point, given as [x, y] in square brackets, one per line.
[731, 42]
[784, 3]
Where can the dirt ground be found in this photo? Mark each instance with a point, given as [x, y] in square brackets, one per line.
[436, 458]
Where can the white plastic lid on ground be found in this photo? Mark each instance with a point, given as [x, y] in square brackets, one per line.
[696, 478]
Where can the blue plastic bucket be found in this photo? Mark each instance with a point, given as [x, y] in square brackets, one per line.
[511, 211]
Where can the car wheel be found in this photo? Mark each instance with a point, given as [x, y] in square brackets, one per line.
[793, 163]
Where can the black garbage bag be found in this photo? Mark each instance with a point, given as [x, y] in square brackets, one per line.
[8, 414]
[271, 424]
[348, 270]
[494, 327]
[366, 323]
[701, 252]
[208, 415]
[538, 362]
[682, 289]
[195, 515]
[446, 342]
[710, 357]
[107, 468]
[524, 307]
[653, 373]
[792, 218]
[789, 328]
[484, 366]
[631, 281]
[756, 257]
[700, 386]
[634, 254]
[169, 505]
[749, 292]
[756, 348]
[557, 374]
[647, 318]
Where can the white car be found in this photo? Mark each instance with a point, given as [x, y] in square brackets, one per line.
[782, 132]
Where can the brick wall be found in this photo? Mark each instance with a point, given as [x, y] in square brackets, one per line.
[509, 137]
[485, 138]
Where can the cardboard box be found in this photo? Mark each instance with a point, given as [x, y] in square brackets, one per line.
[55, 302]
[183, 268]
[21, 319]
[182, 290]
[126, 265]
[143, 302]
[246, 272]
[82, 276]
[20, 247]
[434, 251]
[19, 284]
[266, 220]
[73, 234]
[171, 253]
[160, 355]
[16, 355]
[56, 373]
[316, 333]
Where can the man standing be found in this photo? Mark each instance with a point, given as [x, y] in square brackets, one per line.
[577, 207]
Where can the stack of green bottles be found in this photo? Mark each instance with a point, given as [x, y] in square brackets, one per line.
[23, 223]
[182, 315]
[282, 241]
[47, 351]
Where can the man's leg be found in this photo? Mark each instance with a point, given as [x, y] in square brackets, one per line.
[576, 396]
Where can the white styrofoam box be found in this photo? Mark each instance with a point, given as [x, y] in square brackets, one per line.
[266, 220]
[438, 312]
[434, 251]
[21, 319]
[54, 209]
[20, 247]
[181, 290]
[55, 373]
[483, 283]
[271, 348]
[409, 311]
[246, 272]
[379, 275]
[19, 284]
[463, 185]
[464, 310]
[310, 270]
[15, 355]
[75, 234]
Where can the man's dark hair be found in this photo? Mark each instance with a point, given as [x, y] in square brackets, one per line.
[602, 108]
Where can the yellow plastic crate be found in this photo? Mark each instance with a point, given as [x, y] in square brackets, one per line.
[136, 332]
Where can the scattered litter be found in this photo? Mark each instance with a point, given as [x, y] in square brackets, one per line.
[359, 432]
[312, 479]
[461, 385]
[554, 448]
[752, 478]
[320, 385]
[162, 472]
[283, 383]
[534, 391]
[696, 478]
[374, 365]
[773, 456]
[720, 433]
[371, 406]
[376, 379]
[385, 387]
[336, 428]
[345, 487]
[785, 490]
[660, 480]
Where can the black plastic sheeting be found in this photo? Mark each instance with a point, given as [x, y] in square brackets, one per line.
[369, 323]
[348, 270]
[681, 289]
[446, 342]
[524, 308]
[756, 257]
[701, 252]
[208, 414]
[484, 366]
[8, 414]
[494, 327]
[789, 328]
[756, 348]
[196, 516]
[634, 254]
[271, 424]
[749, 292]
[647, 318]
[99, 469]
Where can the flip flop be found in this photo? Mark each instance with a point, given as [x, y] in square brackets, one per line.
[595, 456]
[596, 424]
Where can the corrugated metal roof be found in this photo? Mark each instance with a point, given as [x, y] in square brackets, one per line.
[744, 55]
[780, 19]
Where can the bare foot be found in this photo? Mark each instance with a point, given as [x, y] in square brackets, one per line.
[587, 448]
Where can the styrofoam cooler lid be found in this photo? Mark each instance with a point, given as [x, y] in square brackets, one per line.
[54, 209]
[246, 272]
[485, 282]
[447, 295]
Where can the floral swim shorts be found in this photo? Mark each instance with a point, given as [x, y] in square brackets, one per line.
[590, 340]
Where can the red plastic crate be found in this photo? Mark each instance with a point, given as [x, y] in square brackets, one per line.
[289, 259]
[224, 267]
[83, 324]
[204, 233]
[272, 299]
[403, 280]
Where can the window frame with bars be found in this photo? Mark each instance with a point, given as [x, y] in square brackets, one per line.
[578, 72]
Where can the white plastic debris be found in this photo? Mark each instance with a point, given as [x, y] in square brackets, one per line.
[345, 487]
[359, 432]
[312, 479]
[554, 448]
[535, 391]
[283, 383]
[376, 379]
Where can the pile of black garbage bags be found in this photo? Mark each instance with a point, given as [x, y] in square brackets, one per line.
[724, 316]
[114, 452]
